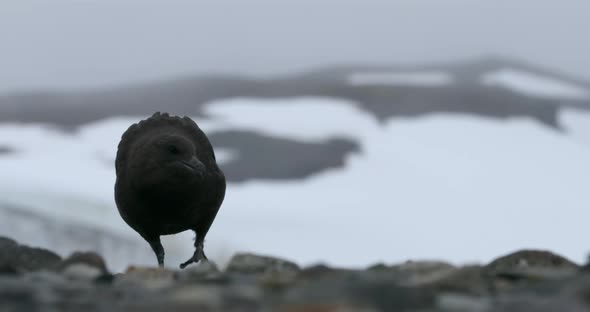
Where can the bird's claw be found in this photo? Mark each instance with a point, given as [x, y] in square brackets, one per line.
[197, 256]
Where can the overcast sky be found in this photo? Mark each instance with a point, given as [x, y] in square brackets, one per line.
[66, 43]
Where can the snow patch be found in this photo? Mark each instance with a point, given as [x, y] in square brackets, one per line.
[421, 78]
[311, 119]
[534, 85]
[428, 188]
[576, 122]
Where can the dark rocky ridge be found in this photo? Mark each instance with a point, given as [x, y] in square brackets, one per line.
[273, 162]
[187, 96]
[37, 280]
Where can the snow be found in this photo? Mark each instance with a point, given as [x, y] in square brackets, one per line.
[534, 85]
[416, 78]
[303, 119]
[452, 187]
[458, 188]
[576, 123]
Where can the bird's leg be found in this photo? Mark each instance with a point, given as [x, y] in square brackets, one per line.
[198, 255]
[158, 250]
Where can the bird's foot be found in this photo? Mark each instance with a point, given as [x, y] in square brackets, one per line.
[197, 256]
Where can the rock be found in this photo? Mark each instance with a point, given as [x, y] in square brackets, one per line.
[277, 279]
[523, 281]
[15, 258]
[197, 295]
[469, 280]
[413, 266]
[6, 242]
[334, 307]
[206, 271]
[150, 278]
[44, 277]
[83, 265]
[216, 297]
[32, 259]
[462, 303]
[529, 259]
[7, 269]
[356, 294]
[17, 295]
[7, 266]
[529, 266]
[246, 263]
[569, 295]
[200, 297]
[379, 288]
[416, 273]
[536, 274]
[269, 272]
[322, 270]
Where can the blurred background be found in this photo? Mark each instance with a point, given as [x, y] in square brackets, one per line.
[351, 132]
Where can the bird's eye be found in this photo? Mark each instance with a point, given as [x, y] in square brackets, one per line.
[173, 149]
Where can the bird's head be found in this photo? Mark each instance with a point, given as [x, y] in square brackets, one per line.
[166, 158]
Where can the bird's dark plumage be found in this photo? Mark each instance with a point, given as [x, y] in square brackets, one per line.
[168, 181]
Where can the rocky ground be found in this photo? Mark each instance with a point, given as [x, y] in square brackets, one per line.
[33, 279]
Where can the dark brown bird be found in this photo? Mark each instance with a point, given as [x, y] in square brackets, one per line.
[168, 181]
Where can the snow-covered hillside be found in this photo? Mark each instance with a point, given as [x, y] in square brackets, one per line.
[446, 186]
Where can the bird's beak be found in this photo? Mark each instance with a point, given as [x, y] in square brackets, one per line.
[194, 164]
